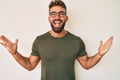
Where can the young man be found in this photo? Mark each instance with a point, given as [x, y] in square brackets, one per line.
[57, 49]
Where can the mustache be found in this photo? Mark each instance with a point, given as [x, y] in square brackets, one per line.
[57, 20]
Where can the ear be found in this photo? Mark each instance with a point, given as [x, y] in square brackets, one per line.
[48, 18]
[66, 18]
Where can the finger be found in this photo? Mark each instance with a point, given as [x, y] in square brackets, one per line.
[3, 44]
[16, 41]
[110, 39]
[101, 43]
[109, 42]
[100, 46]
[107, 49]
[108, 45]
[5, 40]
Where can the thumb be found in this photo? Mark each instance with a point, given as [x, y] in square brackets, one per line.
[101, 43]
[16, 41]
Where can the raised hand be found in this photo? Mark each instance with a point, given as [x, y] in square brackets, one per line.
[103, 48]
[11, 47]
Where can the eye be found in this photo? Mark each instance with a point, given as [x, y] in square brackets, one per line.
[62, 13]
[52, 13]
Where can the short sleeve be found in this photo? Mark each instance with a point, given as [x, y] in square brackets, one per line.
[82, 49]
[35, 50]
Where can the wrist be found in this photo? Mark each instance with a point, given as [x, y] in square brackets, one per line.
[100, 54]
[15, 53]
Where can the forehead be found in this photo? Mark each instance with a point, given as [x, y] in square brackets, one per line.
[57, 9]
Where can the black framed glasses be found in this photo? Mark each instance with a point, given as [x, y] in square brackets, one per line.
[60, 14]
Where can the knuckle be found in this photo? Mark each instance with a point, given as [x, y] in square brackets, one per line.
[2, 36]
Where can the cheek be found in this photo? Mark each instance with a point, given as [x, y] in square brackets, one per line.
[64, 19]
[50, 20]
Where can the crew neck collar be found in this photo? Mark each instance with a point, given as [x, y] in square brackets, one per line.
[58, 37]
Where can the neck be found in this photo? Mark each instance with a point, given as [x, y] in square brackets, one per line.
[58, 35]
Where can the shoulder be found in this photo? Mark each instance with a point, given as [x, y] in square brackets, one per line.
[74, 36]
[42, 36]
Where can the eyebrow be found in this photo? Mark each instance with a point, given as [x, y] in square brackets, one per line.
[57, 11]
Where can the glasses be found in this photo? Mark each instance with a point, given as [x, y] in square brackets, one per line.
[60, 14]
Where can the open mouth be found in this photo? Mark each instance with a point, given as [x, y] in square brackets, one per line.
[57, 23]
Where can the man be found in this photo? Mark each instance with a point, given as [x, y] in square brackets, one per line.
[57, 49]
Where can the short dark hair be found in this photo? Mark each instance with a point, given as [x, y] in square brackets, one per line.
[57, 3]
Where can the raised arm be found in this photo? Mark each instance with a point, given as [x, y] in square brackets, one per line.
[28, 63]
[89, 62]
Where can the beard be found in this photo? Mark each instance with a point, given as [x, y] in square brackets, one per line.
[58, 30]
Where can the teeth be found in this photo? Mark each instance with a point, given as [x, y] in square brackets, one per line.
[57, 22]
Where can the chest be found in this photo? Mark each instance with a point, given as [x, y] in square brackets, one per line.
[58, 49]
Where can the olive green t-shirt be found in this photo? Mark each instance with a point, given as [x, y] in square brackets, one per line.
[58, 55]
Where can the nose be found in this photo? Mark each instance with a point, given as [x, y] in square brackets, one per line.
[57, 16]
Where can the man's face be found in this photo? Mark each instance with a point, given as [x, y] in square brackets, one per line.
[57, 18]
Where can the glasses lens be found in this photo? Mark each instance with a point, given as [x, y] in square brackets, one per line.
[60, 14]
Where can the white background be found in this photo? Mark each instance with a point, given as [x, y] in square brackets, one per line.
[92, 20]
